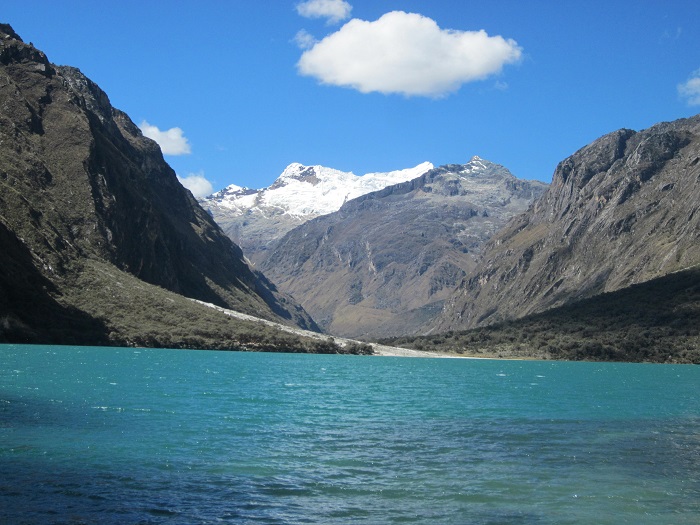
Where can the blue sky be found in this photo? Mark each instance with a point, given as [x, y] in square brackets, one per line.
[379, 87]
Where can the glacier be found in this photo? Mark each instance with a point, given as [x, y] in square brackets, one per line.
[307, 191]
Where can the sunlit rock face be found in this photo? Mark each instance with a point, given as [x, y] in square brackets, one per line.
[620, 211]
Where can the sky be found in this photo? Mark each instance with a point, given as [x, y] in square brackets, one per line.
[234, 91]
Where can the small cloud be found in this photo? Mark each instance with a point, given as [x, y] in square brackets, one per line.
[501, 86]
[304, 40]
[406, 53]
[690, 90]
[171, 142]
[672, 35]
[197, 184]
[332, 10]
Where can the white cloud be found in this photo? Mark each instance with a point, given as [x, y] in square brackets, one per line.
[333, 10]
[171, 142]
[406, 53]
[690, 90]
[304, 40]
[197, 184]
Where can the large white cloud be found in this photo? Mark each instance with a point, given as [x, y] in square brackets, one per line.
[197, 184]
[333, 10]
[171, 142]
[406, 53]
[690, 90]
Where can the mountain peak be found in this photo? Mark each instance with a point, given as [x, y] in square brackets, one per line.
[6, 32]
[14, 50]
[309, 174]
[309, 191]
[300, 193]
[476, 163]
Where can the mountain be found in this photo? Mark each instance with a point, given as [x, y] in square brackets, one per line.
[89, 209]
[385, 262]
[255, 219]
[620, 211]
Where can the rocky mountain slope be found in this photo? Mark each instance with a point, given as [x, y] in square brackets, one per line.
[385, 262]
[255, 219]
[620, 211]
[82, 192]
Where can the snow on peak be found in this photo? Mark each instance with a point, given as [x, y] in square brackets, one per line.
[316, 190]
[310, 191]
[476, 164]
[231, 188]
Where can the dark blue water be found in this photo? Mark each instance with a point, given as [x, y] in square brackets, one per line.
[95, 435]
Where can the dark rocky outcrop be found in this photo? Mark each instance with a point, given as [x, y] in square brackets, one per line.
[80, 183]
[620, 211]
[386, 261]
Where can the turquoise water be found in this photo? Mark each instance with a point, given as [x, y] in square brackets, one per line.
[104, 435]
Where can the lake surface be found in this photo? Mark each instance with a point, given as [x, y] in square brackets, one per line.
[105, 435]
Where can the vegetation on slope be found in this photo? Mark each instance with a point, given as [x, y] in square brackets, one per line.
[117, 309]
[657, 321]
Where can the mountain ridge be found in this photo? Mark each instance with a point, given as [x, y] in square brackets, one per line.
[620, 211]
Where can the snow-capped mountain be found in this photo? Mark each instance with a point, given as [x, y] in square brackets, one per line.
[304, 191]
[385, 262]
[254, 218]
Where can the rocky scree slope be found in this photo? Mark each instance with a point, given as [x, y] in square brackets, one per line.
[620, 211]
[79, 184]
[386, 261]
[256, 219]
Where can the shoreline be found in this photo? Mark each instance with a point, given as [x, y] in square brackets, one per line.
[397, 351]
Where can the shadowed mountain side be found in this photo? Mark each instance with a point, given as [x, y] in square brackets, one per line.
[79, 182]
[385, 262]
[28, 311]
[620, 211]
[655, 321]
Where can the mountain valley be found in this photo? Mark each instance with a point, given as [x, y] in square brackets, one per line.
[100, 244]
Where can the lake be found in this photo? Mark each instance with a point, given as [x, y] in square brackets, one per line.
[142, 436]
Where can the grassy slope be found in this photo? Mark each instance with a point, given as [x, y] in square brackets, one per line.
[657, 321]
[125, 311]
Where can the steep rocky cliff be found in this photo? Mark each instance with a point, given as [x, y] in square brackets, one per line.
[79, 183]
[385, 262]
[620, 211]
